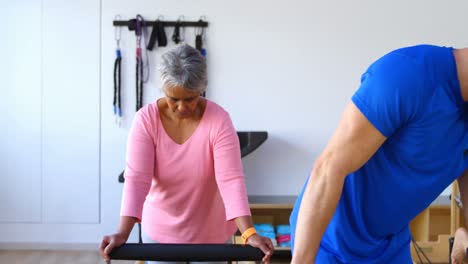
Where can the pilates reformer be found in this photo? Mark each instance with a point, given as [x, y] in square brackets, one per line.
[186, 252]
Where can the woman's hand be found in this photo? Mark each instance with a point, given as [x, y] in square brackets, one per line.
[459, 246]
[110, 242]
[264, 244]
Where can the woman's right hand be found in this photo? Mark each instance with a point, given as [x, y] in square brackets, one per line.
[110, 242]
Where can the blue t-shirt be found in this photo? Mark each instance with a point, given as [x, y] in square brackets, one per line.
[412, 96]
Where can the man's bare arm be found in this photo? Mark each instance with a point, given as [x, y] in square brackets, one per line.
[352, 145]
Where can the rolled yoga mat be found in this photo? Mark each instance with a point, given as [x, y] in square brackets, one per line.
[186, 252]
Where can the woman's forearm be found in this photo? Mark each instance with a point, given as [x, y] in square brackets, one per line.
[243, 222]
[126, 225]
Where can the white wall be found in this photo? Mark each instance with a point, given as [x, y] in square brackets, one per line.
[20, 133]
[50, 139]
[285, 67]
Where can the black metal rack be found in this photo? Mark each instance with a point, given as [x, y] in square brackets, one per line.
[148, 23]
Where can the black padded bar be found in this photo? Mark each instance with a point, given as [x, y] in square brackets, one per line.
[186, 252]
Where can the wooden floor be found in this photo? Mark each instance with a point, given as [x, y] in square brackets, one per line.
[57, 257]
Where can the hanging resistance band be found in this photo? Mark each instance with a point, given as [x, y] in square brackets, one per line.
[199, 35]
[139, 62]
[158, 34]
[117, 81]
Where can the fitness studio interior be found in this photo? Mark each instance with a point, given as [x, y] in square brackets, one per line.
[246, 96]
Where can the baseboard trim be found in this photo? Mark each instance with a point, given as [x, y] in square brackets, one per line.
[48, 246]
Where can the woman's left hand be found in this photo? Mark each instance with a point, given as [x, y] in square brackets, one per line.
[264, 244]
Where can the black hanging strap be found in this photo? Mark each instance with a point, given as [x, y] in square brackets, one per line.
[154, 36]
[117, 79]
[117, 87]
[198, 42]
[176, 34]
[139, 62]
[139, 82]
[162, 38]
[199, 35]
[157, 34]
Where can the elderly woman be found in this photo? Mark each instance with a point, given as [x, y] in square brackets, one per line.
[183, 178]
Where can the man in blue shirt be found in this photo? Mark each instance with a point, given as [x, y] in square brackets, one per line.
[401, 141]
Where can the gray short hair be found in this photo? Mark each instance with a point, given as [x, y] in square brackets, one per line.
[184, 66]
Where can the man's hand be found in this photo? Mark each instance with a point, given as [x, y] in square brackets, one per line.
[459, 247]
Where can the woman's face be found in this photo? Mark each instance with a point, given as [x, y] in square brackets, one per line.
[181, 101]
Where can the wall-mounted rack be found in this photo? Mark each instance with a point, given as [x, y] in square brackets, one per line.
[131, 23]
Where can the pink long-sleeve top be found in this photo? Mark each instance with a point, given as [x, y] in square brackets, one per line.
[185, 193]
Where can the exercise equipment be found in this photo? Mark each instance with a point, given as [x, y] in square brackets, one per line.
[186, 252]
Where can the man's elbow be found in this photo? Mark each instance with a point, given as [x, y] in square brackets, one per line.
[327, 167]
